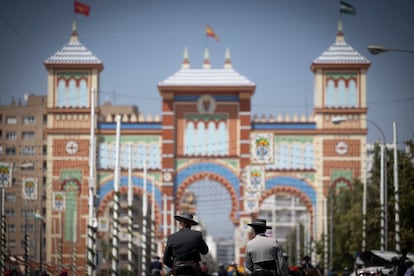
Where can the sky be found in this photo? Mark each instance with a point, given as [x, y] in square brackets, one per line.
[271, 42]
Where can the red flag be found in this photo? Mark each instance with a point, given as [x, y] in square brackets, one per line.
[210, 32]
[82, 8]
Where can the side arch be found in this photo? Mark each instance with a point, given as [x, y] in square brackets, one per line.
[293, 191]
[136, 191]
[106, 194]
[297, 187]
[341, 180]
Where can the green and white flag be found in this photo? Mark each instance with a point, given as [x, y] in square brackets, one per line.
[346, 8]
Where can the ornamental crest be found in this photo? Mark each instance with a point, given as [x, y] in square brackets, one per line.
[29, 186]
[5, 174]
[103, 224]
[59, 201]
[255, 178]
[251, 205]
[262, 148]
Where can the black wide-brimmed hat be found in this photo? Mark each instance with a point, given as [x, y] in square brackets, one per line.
[259, 223]
[186, 217]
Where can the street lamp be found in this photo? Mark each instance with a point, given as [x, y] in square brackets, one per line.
[376, 49]
[383, 189]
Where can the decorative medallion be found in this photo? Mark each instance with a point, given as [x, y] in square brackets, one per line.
[262, 148]
[29, 188]
[5, 174]
[167, 177]
[103, 224]
[341, 148]
[71, 147]
[206, 104]
[250, 205]
[59, 201]
[255, 178]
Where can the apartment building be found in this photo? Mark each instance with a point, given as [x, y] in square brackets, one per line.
[23, 149]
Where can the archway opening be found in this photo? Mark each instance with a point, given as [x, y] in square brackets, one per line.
[212, 204]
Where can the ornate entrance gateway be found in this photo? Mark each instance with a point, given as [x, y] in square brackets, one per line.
[206, 143]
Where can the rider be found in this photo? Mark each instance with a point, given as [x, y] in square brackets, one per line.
[263, 254]
[185, 246]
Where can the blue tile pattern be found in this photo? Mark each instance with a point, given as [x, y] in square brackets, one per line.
[211, 168]
[108, 186]
[295, 183]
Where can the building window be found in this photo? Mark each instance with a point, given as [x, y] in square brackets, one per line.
[11, 135]
[28, 150]
[28, 212]
[12, 243]
[10, 212]
[27, 167]
[28, 135]
[10, 198]
[28, 120]
[29, 227]
[11, 228]
[206, 138]
[1, 150]
[11, 120]
[10, 151]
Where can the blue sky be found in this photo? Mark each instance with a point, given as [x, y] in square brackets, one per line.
[272, 42]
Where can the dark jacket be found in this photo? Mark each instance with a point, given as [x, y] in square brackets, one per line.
[184, 245]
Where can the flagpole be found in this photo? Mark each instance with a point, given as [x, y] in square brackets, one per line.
[74, 13]
[130, 214]
[144, 219]
[92, 226]
[115, 223]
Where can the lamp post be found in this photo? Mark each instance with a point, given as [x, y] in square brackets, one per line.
[383, 189]
[377, 49]
[5, 181]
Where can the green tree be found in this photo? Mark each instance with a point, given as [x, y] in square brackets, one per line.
[406, 196]
[345, 207]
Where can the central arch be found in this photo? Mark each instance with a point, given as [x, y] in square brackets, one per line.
[214, 177]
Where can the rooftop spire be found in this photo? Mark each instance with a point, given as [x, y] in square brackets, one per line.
[206, 63]
[186, 62]
[340, 35]
[227, 61]
[74, 34]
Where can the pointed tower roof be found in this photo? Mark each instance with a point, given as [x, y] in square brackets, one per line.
[73, 52]
[340, 52]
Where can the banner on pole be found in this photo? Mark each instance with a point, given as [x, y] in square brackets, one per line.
[29, 188]
[5, 174]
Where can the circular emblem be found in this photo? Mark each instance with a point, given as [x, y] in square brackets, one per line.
[167, 176]
[206, 104]
[341, 148]
[71, 147]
